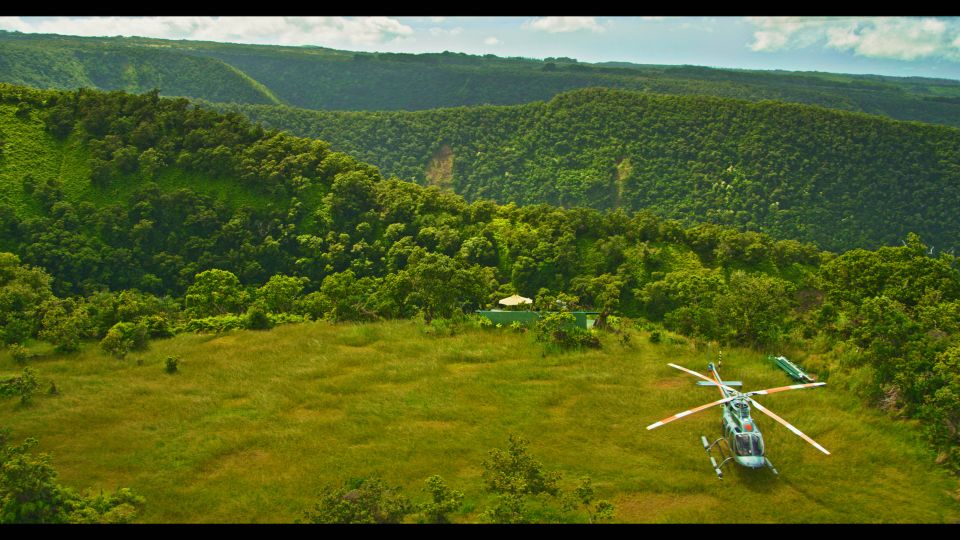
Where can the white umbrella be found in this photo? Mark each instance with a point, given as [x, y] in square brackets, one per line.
[515, 300]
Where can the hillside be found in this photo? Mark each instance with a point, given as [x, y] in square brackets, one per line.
[841, 180]
[319, 78]
[254, 424]
[130, 218]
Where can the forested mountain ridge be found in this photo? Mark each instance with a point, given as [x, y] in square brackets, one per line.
[319, 78]
[839, 179]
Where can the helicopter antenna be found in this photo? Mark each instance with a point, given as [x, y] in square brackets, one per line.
[789, 426]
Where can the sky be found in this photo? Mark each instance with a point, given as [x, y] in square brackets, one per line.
[900, 46]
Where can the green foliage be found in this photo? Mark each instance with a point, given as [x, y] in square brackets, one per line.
[30, 493]
[583, 496]
[280, 293]
[559, 329]
[124, 337]
[836, 179]
[19, 353]
[65, 322]
[217, 325]
[257, 318]
[171, 365]
[22, 386]
[513, 471]
[22, 290]
[363, 500]
[443, 501]
[213, 293]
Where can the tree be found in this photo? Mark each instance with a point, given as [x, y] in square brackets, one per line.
[214, 292]
[443, 500]
[30, 493]
[22, 289]
[281, 292]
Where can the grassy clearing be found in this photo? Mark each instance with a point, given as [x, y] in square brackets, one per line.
[256, 422]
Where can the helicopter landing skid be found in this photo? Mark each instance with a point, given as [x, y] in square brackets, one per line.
[724, 458]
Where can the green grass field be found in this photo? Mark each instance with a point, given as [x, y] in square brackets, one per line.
[255, 423]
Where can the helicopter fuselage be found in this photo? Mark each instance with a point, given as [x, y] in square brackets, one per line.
[741, 433]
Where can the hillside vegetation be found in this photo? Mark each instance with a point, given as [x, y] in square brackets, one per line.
[841, 180]
[110, 237]
[254, 424]
[319, 78]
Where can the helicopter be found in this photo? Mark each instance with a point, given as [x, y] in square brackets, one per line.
[740, 434]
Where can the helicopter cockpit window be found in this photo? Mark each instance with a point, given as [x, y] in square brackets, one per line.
[749, 444]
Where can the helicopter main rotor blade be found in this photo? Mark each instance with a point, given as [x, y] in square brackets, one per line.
[688, 413]
[704, 377]
[784, 388]
[789, 426]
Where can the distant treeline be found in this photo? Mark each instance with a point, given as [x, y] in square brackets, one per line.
[842, 180]
[318, 78]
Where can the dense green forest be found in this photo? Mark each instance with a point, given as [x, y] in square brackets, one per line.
[842, 180]
[107, 240]
[319, 78]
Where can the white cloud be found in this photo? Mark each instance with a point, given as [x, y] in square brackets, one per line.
[901, 38]
[14, 24]
[565, 24]
[437, 31]
[330, 31]
[491, 41]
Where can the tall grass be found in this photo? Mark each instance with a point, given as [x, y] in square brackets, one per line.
[255, 423]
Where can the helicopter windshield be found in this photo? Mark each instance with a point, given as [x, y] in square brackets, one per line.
[749, 444]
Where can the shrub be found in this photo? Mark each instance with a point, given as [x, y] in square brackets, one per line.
[656, 336]
[214, 324]
[124, 337]
[158, 326]
[559, 329]
[583, 496]
[171, 365]
[19, 353]
[443, 501]
[364, 500]
[257, 319]
[22, 386]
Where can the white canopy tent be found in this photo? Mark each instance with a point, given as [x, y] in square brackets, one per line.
[515, 300]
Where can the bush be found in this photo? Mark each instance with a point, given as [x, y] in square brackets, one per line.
[214, 324]
[124, 337]
[443, 501]
[656, 336]
[22, 386]
[364, 500]
[158, 326]
[171, 365]
[559, 329]
[257, 318]
[19, 353]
